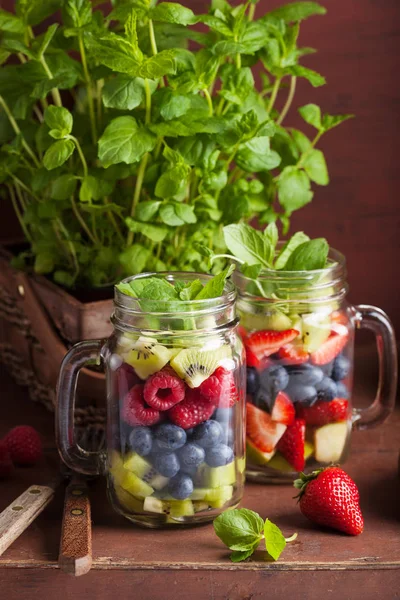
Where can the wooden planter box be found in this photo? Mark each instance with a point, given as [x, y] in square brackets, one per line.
[39, 321]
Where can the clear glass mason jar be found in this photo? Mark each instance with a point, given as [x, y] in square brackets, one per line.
[175, 407]
[298, 331]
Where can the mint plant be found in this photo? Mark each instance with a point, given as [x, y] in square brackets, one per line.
[130, 135]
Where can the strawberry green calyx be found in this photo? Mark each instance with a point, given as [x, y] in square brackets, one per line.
[304, 480]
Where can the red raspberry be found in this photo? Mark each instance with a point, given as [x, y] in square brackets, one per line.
[24, 445]
[135, 411]
[192, 411]
[164, 389]
[6, 465]
[322, 413]
[220, 388]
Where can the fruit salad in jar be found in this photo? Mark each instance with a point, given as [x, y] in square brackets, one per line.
[177, 414]
[298, 381]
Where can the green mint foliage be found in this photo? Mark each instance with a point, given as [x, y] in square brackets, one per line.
[128, 151]
[241, 530]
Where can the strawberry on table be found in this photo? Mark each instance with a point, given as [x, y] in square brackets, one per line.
[293, 354]
[192, 411]
[330, 349]
[261, 430]
[291, 444]
[329, 497]
[322, 413]
[283, 411]
[24, 445]
[266, 342]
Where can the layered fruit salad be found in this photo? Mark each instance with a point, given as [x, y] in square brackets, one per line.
[178, 442]
[298, 380]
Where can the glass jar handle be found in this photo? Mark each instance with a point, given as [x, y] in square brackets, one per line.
[374, 319]
[71, 453]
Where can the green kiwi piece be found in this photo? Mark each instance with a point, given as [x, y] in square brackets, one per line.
[136, 486]
[315, 330]
[148, 357]
[195, 366]
[173, 508]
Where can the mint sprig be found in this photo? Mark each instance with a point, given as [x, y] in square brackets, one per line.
[242, 530]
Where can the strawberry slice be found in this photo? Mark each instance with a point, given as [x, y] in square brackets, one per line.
[283, 411]
[242, 332]
[261, 430]
[330, 349]
[266, 342]
[251, 359]
[323, 413]
[293, 354]
[291, 444]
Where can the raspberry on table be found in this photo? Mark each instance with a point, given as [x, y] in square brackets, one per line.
[135, 411]
[192, 411]
[164, 389]
[24, 445]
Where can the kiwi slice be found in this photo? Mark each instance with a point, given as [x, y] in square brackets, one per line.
[127, 501]
[256, 456]
[195, 366]
[215, 497]
[173, 508]
[116, 467]
[200, 506]
[315, 330]
[214, 477]
[148, 357]
[330, 441]
[136, 486]
[276, 321]
[143, 469]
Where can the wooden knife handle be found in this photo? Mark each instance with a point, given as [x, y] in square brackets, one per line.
[75, 555]
[19, 514]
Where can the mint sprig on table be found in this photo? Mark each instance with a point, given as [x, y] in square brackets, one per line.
[122, 146]
[242, 530]
[159, 290]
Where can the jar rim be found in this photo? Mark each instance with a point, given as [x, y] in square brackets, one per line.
[163, 307]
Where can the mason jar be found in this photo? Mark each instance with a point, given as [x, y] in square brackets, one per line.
[175, 407]
[298, 332]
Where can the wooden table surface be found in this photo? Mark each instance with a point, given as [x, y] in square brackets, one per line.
[192, 563]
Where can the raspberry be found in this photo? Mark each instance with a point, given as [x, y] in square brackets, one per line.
[6, 465]
[192, 411]
[220, 388]
[164, 389]
[135, 411]
[322, 413]
[24, 445]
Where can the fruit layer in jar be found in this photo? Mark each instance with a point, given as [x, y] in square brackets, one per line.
[298, 380]
[178, 453]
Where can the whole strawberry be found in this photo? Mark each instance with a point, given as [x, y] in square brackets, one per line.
[24, 445]
[6, 465]
[329, 497]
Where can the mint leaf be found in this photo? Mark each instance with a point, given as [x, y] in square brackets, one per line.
[79, 11]
[123, 92]
[247, 244]
[158, 289]
[113, 51]
[313, 77]
[125, 141]
[145, 211]
[252, 271]
[156, 233]
[10, 23]
[173, 182]
[173, 105]
[239, 529]
[63, 187]
[297, 11]
[274, 539]
[171, 12]
[309, 256]
[315, 166]
[296, 240]
[134, 259]
[311, 114]
[301, 140]
[159, 65]
[58, 118]
[256, 155]
[331, 121]
[58, 153]
[93, 188]
[45, 41]
[215, 286]
[239, 555]
[191, 290]
[272, 235]
[294, 189]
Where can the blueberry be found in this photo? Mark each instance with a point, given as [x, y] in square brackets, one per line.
[342, 390]
[166, 464]
[180, 487]
[263, 400]
[327, 369]
[326, 389]
[140, 440]
[305, 394]
[191, 455]
[207, 434]
[274, 379]
[341, 368]
[252, 380]
[223, 416]
[305, 374]
[170, 437]
[219, 455]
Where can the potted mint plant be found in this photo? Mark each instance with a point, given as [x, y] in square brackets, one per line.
[129, 135]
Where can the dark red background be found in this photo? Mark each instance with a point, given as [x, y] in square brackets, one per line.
[359, 53]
